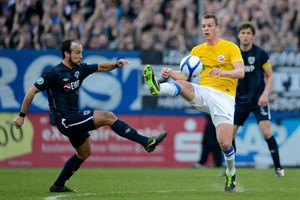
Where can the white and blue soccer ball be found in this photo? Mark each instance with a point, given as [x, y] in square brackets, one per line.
[191, 66]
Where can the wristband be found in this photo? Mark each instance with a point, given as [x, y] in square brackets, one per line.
[116, 65]
[21, 114]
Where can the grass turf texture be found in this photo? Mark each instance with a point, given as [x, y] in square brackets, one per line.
[149, 183]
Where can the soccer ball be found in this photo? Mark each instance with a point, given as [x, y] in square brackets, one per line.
[191, 66]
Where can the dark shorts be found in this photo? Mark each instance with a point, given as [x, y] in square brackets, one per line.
[77, 126]
[241, 113]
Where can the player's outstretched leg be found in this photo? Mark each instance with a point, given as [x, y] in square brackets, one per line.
[154, 141]
[151, 80]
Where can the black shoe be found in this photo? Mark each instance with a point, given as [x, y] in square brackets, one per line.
[230, 182]
[54, 188]
[154, 141]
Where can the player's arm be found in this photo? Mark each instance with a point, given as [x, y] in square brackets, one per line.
[237, 72]
[25, 105]
[176, 75]
[108, 66]
[264, 98]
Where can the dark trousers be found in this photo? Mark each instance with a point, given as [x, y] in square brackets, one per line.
[210, 144]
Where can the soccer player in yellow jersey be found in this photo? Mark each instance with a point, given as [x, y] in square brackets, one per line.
[223, 65]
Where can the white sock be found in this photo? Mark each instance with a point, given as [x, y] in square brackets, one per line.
[169, 89]
[230, 163]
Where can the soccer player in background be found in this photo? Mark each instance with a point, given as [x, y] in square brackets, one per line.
[254, 89]
[62, 83]
[215, 94]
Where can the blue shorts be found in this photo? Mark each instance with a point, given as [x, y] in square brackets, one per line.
[76, 127]
[241, 113]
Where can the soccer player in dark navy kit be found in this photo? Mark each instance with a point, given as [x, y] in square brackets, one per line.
[61, 84]
[253, 91]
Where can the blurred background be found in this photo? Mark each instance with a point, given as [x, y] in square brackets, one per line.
[156, 32]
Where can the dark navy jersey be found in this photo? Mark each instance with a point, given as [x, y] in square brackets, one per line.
[251, 87]
[61, 84]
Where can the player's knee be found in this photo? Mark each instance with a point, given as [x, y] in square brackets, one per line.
[187, 90]
[84, 151]
[108, 115]
[225, 145]
[266, 132]
[84, 155]
[184, 84]
[104, 118]
[111, 117]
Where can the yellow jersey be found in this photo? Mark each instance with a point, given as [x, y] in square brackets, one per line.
[220, 55]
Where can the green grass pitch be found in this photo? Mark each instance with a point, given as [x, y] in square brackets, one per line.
[149, 183]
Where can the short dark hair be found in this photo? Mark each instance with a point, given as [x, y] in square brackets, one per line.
[66, 46]
[212, 16]
[246, 25]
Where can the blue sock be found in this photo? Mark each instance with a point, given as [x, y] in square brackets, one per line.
[177, 92]
[229, 152]
[71, 166]
[124, 130]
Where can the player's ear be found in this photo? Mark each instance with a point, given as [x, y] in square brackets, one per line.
[66, 53]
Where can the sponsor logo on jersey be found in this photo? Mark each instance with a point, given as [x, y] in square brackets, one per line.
[67, 87]
[251, 60]
[249, 68]
[71, 86]
[221, 58]
[40, 81]
[86, 112]
[76, 74]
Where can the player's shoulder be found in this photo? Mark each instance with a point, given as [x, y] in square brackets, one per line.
[227, 43]
[57, 67]
[56, 70]
[199, 46]
[258, 48]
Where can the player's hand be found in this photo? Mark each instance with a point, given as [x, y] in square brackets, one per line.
[122, 62]
[263, 101]
[19, 122]
[165, 72]
[215, 72]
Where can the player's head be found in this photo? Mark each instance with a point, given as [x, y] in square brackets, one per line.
[246, 32]
[66, 46]
[213, 17]
[72, 51]
[210, 26]
[246, 25]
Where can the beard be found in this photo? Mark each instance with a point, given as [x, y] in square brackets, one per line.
[72, 63]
